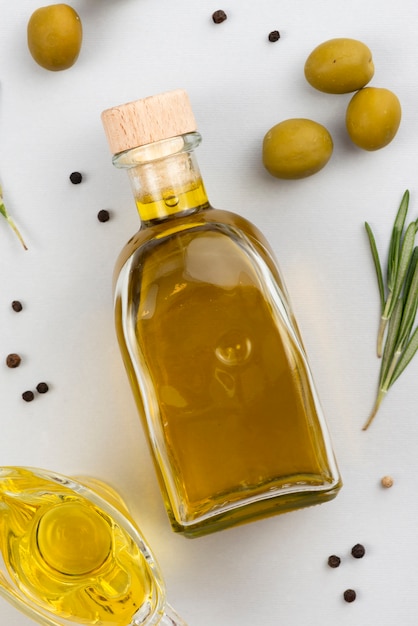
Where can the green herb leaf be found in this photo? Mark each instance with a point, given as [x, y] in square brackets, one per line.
[409, 310]
[411, 270]
[391, 342]
[395, 241]
[378, 266]
[10, 221]
[407, 356]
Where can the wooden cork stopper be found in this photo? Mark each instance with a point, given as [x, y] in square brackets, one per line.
[145, 121]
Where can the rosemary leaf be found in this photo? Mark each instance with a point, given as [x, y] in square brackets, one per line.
[391, 341]
[405, 258]
[411, 270]
[406, 356]
[395, 241]
[410, 308]
[378, 266]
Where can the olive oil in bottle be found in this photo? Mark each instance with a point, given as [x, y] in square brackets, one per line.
[209, 340]
[70, 556]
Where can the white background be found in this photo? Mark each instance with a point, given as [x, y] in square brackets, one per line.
[272, 572]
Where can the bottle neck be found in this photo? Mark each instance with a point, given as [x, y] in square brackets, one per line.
[165, 177]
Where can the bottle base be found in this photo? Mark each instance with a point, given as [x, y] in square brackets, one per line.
[254, 511]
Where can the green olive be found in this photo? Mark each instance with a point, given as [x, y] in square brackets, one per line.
[373, 117]
[296, 148]
[54, 36]
[339, 66]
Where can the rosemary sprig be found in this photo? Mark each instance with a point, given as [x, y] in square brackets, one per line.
[10, 221]
[397, 342]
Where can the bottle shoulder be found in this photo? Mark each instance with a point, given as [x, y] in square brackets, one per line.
[209, 219]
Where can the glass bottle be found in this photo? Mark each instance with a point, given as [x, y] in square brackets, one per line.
[209, 340]
[70, 553]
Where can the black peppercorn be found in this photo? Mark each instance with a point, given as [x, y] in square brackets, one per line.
[42, 388]
[274, 35]
[358, 551]
[219, 16]
[349, 595]
[103, 215]
[13, 360]
[76, 178]
[334, 560]
[17, 306]
[28, 396]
